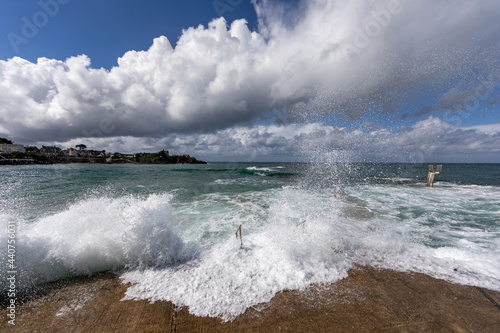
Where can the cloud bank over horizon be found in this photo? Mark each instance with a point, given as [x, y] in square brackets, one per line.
[343, 58]
[429, 140]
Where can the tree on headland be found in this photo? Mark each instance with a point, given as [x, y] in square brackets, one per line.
[32, 149]
[5, 141]
[163, 157]
[81, 146]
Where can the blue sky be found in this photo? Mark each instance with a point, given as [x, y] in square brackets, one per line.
[105, 30]
[381, 80]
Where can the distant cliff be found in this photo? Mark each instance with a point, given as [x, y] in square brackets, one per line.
[140, 158]
[164, 158]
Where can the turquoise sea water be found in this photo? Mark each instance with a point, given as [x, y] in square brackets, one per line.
[170, 229]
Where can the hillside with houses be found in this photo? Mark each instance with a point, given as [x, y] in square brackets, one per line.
[12, 154]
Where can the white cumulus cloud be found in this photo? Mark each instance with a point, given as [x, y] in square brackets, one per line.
[319, 57]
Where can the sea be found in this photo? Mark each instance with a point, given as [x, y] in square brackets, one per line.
[171, 231]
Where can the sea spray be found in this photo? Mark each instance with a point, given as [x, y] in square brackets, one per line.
[296, 245]
[170, 229]
[99, 234]
[296, 236]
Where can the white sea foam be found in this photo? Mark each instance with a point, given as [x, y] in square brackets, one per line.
[294, 237]
[185, 251]
[95, 235]
[294, 247]
[264, 169]
[254, 168]
[448, 232]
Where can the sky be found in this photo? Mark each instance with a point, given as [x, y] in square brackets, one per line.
[261, 80]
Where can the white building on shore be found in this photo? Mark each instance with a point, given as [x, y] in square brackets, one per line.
[10, 148]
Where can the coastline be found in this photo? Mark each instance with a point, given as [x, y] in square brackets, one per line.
[368, 300]
[86, 161]
[162, 157]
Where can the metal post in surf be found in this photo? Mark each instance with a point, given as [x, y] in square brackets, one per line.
[238, 231]
[432, 174]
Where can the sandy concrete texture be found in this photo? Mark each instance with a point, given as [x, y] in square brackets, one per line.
[369, 300]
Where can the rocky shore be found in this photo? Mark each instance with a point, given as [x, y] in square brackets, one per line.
[369, 300]
[27, 159]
